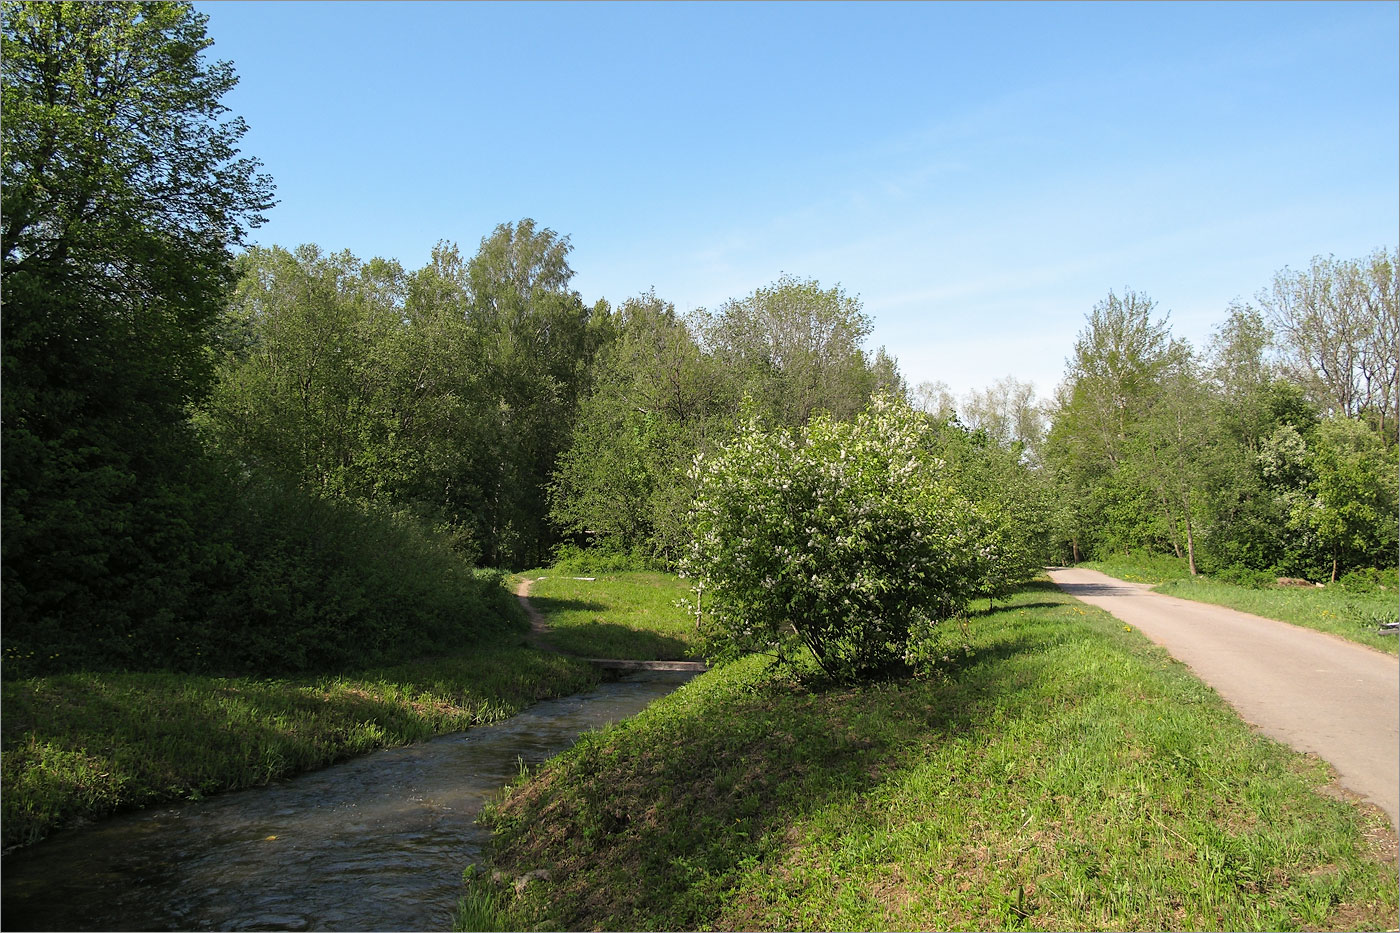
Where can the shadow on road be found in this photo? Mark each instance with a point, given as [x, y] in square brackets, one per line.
[1099, 589]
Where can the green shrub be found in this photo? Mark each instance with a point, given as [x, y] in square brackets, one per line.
[276, 580]
[1369, 580]
[839, 539]
[1243, 576]
[570, 558]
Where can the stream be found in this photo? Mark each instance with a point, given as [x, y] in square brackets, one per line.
[375, 843]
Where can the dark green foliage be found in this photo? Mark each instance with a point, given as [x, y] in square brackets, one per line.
[1370, 580]
[125, 544]
[277, 581]
[570, 558]
[449, 391]
[122, 194]
[1243, 576]
[320, 585]
[657, 400]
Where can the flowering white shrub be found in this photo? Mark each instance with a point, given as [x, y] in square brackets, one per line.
[840, 538]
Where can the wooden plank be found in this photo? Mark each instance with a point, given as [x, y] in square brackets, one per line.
[620, 664]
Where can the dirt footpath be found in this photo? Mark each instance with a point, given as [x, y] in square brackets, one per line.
[1316, 692]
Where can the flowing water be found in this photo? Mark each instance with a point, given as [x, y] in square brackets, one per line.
[376, 843]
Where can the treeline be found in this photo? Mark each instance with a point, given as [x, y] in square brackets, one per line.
[294, 460]
[483, 397]
[275, 460]
[128, 541]
[1270, 452]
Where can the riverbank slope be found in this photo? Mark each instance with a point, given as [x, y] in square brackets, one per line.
[1066, 774]
[78, 747]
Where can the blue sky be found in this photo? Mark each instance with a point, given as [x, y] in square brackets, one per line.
[979, 174]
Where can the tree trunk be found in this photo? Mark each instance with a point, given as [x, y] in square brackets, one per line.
[1190, 539]
[1171, 522]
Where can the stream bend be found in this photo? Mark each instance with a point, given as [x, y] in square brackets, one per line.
[375, 843]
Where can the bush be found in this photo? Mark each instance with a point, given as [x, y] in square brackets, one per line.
[839, 539]
[570, 558]
[1243, 576]
[1370, 580]
[265, 578]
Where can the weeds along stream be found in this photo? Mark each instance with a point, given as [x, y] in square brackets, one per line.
[375, 843]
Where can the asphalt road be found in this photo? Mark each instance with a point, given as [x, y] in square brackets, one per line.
[1316, 692]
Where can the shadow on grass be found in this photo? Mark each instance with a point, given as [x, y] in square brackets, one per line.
[92, 744]
[983, 611]
[609, 640]
[551, 605]
[686, 800]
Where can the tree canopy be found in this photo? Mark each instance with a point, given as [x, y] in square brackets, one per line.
[1269, 454]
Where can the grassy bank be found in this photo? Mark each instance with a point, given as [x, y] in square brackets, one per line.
[1353, 616]
[634, 615]
[1067, 775]
[80, 746]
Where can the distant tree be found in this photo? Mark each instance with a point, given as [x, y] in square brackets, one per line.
[1112, 378]
[1008, 412]
[1340, 326]
[935, 398]
[1117, 360]
[887, 379]
[656, 402]
[538, 340]
[448, 392]
[796, 348]
[1013, 499]
[1170, 449]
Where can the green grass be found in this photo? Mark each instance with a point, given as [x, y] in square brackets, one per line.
[1353, 616]
[1068, 775]
[86, 745]
[633, 615]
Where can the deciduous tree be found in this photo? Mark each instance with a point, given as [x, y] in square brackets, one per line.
[123, 191]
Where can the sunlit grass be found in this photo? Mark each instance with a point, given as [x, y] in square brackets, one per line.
[1069, 775]
[634, 615]
[1141, 567]
[1354, 616]
[84, 745]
